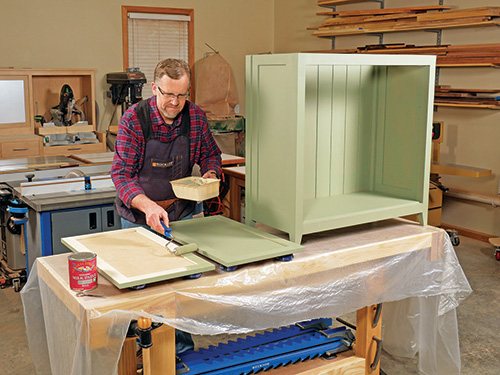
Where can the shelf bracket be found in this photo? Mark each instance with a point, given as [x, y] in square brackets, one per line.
[382, 3]
[380, 37]
[439, 35]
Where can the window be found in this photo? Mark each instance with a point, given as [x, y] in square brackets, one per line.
[153, 34]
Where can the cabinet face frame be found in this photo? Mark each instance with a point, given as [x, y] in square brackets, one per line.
[286, 151]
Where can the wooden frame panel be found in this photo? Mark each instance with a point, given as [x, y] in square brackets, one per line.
[135, 256]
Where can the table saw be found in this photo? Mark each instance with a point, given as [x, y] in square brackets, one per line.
[53, 189]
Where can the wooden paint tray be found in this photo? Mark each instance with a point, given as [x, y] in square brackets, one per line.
[196, 188]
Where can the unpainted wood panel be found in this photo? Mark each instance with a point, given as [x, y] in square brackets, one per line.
[131, 254]
[135, 256]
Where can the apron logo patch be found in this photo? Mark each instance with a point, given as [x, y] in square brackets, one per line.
[162, 164]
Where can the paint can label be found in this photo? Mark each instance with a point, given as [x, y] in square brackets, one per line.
[82, 271]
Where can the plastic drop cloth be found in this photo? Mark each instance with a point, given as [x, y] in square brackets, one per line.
[337, 273]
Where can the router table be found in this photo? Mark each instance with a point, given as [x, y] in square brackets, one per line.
[340, 271]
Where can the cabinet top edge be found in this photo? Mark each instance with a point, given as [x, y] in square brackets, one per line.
[342, 58]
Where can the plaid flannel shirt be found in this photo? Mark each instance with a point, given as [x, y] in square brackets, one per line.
[130, 144]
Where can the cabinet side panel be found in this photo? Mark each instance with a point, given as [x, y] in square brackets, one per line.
[401, 132]
[273, 144]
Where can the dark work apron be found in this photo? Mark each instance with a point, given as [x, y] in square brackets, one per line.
[163, 162]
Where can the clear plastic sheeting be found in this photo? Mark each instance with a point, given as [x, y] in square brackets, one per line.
[412, 267]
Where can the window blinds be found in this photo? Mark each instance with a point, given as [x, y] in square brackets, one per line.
[154, 37]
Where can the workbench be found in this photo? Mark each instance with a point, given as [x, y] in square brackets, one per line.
[340, 271]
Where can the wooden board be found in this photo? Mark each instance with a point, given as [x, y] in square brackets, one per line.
[135, 256]
[229, 242]
[404, 19]
[36, 163]
[364, 12]
[95, 158]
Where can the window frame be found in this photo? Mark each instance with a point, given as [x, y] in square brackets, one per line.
[177, 11]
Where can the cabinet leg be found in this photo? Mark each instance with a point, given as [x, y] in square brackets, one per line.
[422, 218]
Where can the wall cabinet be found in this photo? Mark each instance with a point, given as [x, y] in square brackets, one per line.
[26, 93]
[337, 140]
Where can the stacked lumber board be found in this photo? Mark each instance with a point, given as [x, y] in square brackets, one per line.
[329, 3]
[447, 55]
[404, 19]
[477, 98]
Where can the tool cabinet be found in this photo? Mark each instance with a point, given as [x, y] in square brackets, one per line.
[26, 93]
[337, 140]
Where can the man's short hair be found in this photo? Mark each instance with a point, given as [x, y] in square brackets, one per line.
[173, 68]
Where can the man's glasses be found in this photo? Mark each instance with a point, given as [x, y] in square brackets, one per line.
[169, 96]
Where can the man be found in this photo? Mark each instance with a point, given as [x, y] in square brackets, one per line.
[159, 140]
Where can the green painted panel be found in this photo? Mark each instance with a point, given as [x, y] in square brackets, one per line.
[352, 209]
[402, 132]
[366, 125]
[324, 131]
[310, 130]
[352, 130]
[274, 114]
[337, 154]
[229, 242]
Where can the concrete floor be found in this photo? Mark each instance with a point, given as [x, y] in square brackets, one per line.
[478, 318]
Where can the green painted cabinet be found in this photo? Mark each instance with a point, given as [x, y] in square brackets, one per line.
[337, 140]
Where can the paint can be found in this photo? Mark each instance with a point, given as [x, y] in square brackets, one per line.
[82, 271]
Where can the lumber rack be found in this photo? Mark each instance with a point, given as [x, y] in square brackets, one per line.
[334, 8]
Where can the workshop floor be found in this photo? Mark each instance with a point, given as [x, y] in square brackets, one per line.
[478, 317]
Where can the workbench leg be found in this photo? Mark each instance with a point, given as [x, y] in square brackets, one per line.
[366, 346]
[127, 365]
[163, 351]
